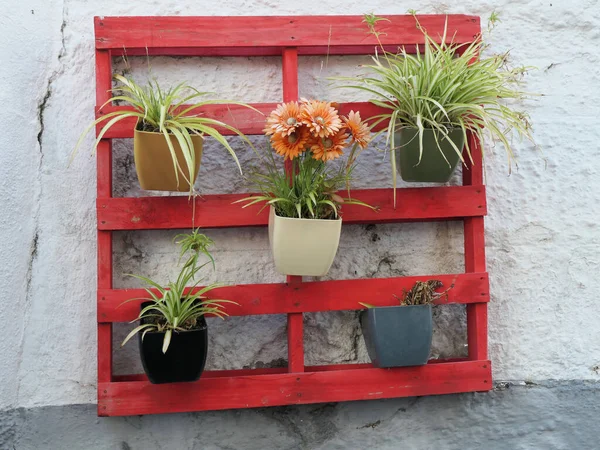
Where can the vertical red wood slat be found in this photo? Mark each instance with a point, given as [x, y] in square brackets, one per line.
[295, 323]
[104, 190]
[475, 259]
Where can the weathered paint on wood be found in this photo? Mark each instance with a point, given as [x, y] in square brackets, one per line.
[252, 391]
[219, 211]
[313, 296]
[259, 36]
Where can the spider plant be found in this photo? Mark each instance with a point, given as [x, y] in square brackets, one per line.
[309, 191]
[167, 111]
[194, 243]
[178, 306]
[444, 87]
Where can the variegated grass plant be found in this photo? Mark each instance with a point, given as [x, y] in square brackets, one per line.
[443, 87]
[176, 307]
[167, 111]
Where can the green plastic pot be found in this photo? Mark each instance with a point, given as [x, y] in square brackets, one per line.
[433, 168]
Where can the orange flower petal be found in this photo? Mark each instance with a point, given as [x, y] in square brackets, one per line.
[284, 119]
[291, 145]
[331, 147]
[320, 117]
[359, 130]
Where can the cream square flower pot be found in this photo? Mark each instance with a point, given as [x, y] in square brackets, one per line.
[304, 247]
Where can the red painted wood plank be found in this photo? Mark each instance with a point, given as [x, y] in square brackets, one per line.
[253, 51]
[275, 370]
[141, 397]
[244, 119]
[295, 342]
[219, 211]
[295, 321]
[474, 240]
[211, 374]
[289, 68]
[323, 32]
[283, 298]
[104, 190]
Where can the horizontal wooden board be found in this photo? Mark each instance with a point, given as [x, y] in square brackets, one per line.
[254, 51]
[281, 298]
[255, 36]
[219, 210]
[275, 370]
[246, 120]
[218, 393]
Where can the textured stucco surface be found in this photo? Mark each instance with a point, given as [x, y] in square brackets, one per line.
[549, 416]
[542, 228]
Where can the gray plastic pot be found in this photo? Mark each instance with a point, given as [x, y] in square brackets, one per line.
[433, 168]
[398, 336]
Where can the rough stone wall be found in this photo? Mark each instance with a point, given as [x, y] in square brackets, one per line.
[542, 228]
[561, 416]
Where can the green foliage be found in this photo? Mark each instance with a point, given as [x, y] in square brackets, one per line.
[445, 86]
[371, 20]
[162, 111]
[309, 192]
[175, 308]
[194, 243]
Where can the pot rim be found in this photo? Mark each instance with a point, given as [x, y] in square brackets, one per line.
[450, 130]
[400, 306]
[204, 324]
[339, 218]
[205, 327]
[158, 133]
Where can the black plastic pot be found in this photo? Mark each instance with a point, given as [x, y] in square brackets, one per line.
[398, 336]
[433, 168]
[184, 360]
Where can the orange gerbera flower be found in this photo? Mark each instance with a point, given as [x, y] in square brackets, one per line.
[291, 145]
[331, 147]
[320, 117]
[283, 120]
[359, 131]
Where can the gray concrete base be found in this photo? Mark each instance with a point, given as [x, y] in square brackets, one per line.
[513, 416]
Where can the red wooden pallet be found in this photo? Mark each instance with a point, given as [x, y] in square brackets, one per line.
[287, 37]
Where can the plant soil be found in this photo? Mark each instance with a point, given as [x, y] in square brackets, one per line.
[188, 325]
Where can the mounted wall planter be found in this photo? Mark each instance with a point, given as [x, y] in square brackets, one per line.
[154, 164]
[398, 336]
[297, 383]
[184, 360]
[433, 168]
[304, 247]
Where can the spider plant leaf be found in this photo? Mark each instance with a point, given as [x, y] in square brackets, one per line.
[167, 340]
[147, 281]
[219, 138]
[136, 330]
[367, 305]
[176, 166]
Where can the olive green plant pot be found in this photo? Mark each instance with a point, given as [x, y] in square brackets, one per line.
[154, 164]
[433, 168]
[305, 247]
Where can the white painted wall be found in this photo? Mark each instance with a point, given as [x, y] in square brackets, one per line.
[542, 228]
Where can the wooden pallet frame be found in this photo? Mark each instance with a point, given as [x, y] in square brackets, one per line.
[289, 38]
